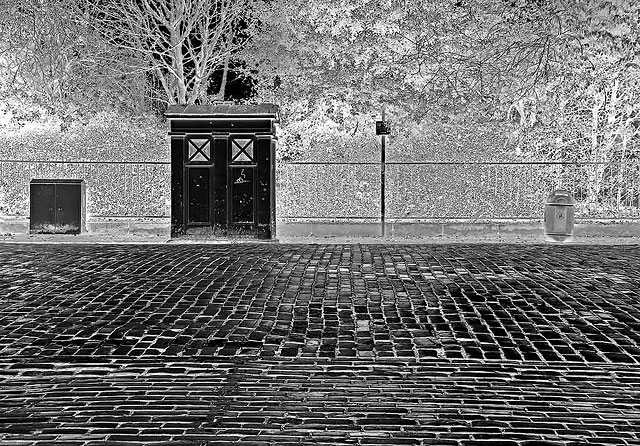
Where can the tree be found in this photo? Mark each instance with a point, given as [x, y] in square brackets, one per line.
[419, 53]
[424, 61]
[180, 42]
[50, 59]
[39, 47]
[39, 50]
[589, 110]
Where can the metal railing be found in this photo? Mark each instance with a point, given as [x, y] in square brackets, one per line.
[455, 189]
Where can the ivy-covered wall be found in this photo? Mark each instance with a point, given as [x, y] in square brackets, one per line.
[112, 189]
[125, 164]
[477, 191]
[415, 191]
[327, 191]
[352, 187]
[445, 190]
[456, 170]
[434, 170]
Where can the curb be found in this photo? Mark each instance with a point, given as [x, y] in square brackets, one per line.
[313, 240]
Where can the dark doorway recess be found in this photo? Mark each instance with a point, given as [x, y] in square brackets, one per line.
[56, 206]
[223, 170]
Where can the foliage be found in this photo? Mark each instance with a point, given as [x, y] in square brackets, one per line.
[458, 137]
[50, 60]
[40, 47]
[332, 132]
[180, 42]
[427, 63]
[591, 110]
[126, 54]
[106, 136]
[325, 130]
[374, 52]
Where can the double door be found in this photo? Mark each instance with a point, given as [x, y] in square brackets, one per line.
[55, 206]
[238, 199]
[225, 185]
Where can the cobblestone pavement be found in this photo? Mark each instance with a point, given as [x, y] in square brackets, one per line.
[319, 344]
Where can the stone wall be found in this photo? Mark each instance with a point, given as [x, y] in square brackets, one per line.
[125, 166]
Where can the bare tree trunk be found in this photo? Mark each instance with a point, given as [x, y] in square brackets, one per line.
[593, 170]
[165, 86]
[621, 170]
[223, 84]
[178, 67]
[182, 41]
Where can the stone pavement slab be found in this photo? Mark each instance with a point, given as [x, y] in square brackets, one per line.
[319, 344]
[132, 239]
[83, 238]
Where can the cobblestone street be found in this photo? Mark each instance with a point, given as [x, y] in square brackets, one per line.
[270, 344]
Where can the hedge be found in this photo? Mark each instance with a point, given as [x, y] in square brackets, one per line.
[141, 190]
[104, 137]
[124, 162]
[448, 190]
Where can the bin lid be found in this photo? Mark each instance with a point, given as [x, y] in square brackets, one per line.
[561, 196]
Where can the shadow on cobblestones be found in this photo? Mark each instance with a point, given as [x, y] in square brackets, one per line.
[310, 344]
[316, 401]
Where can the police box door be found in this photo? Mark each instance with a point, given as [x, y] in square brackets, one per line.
[198, 178]
[228, 184]
[250, 184]
[241, 186]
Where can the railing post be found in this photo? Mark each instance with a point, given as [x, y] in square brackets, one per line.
[382, 177]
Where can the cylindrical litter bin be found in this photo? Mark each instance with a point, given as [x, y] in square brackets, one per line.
[558, 216]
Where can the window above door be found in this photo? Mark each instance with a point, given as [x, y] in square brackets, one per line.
[242, 150]
[198, 149]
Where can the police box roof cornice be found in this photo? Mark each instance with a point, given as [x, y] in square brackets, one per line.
[264, 111]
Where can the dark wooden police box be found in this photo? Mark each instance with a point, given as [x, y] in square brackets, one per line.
[223, 169]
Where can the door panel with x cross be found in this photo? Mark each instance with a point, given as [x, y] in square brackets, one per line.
[242, 183]
[199, 170]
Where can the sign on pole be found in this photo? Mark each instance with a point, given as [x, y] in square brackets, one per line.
[383, 127]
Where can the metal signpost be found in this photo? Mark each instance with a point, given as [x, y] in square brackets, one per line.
[383, 129]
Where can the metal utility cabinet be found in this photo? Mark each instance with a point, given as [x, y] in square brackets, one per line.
[57, 206]
[223, 169]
